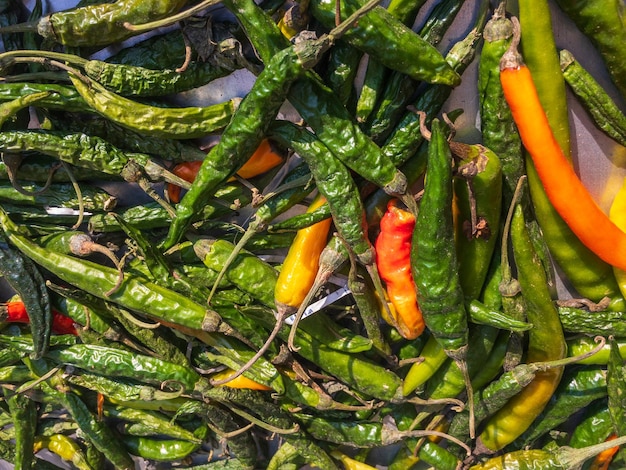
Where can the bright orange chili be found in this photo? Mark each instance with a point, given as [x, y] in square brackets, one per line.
[264, 159]
[393, 257]
[240, 381]
[564, 189]
[604, 458]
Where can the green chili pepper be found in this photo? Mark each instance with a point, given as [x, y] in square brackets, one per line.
[480, 314]
[43, 169]
[603, 23]
[159, 449]
[478, 198]
[604, 322]
[579, 387]
[115, 362]
[390, 42]
[546, 343]
[24, 413]
[594, 427]
[8, 109]
[604, 111]
[157, 422]
[83, 150]
[497, 126]
[583, 344]
[172, 123]
[341, 69]
[25, 278]
[58, 195]
[63, 97]
[100, 24]
[434, 260]
[128, 140]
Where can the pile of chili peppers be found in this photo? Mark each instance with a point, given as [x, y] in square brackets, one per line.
[183, 329]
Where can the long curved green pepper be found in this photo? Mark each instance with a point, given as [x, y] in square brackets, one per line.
[100, 24]
[433, 256]
[604, 111]
[171, 123]
[24, 277]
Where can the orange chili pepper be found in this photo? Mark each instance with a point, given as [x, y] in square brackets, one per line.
[564, 189]
[393, 257]
[604, 458]
[264, 159]
[240, 381]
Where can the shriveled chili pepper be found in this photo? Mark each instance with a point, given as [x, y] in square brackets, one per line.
[433, 257]
[546, 343]
[594, 98]
[603, 23]
[15, 311]
[563, 187]
[379, 30]
[173, 123]
[100, 24]
[497, 126]
[393, 252]
[24, 413]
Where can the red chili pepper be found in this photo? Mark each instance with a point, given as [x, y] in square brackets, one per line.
[15, 312]
[393, 257]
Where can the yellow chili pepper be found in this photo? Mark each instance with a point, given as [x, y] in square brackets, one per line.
[301, 263]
